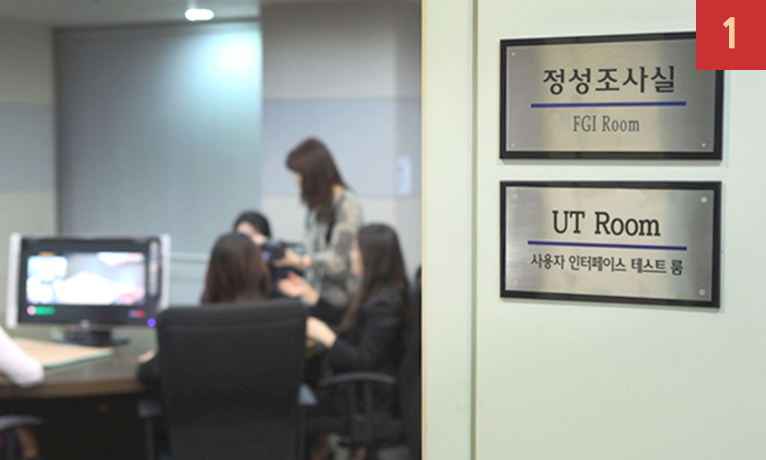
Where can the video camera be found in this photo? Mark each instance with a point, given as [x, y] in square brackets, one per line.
[273, 250]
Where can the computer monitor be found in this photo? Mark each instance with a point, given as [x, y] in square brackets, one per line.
[91, 284]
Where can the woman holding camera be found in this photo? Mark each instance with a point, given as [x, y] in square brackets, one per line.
[256, 226]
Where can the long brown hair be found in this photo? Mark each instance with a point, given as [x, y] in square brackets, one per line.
[383, 268]
[312, 160]
[236, 271]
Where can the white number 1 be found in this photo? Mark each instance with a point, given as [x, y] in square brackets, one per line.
[730, 24]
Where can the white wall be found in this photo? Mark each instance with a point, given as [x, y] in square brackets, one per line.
[27, 152]
[448, 230]
[573, 380]
[348, 73]
[26, 64]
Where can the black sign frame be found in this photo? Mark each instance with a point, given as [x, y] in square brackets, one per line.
[505, 154]
[715, 293]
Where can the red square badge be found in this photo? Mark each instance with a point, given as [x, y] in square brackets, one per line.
[730, 34]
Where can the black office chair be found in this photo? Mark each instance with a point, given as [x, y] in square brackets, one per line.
[230, 376]
[365, 424]
[7, 424]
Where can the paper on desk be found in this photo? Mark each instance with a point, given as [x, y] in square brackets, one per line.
[52, 355]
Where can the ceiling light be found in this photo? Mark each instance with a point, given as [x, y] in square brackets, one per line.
[199, 14]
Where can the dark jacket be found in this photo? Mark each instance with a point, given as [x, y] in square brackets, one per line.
[375, 343]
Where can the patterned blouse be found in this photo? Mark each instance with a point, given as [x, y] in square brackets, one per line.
[329, 248]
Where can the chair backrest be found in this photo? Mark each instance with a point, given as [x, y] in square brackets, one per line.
[230, 378]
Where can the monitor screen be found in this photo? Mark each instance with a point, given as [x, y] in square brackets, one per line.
[82, 278]
[109, 281]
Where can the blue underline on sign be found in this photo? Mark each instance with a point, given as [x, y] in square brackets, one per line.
[607, 104]
[612, 246]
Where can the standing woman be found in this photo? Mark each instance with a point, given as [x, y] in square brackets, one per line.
[333, 219]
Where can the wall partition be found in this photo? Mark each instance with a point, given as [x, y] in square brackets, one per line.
[27, 152]
[540, 378]
[159, 131]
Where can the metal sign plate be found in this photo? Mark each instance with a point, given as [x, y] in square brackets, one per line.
[616, 97]
[631, 242]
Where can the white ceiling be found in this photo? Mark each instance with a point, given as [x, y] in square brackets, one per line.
[68, 13]
[79, 13]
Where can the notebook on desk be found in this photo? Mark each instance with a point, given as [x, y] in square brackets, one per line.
[52, 355]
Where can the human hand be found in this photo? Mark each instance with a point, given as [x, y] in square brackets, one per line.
[147, 356]
[258, 239]
[296, 286]
[291, 259]
[321, 332]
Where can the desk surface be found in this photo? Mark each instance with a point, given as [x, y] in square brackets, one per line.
[106, 376]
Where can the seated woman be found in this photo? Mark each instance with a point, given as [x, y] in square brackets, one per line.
[370, 334]
[236, 273]
[24, 371]
[19, 367]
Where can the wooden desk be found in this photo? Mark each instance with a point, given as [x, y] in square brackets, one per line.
[104, 376]
[89, 408]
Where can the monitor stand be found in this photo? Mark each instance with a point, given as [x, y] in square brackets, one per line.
[92, 338]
